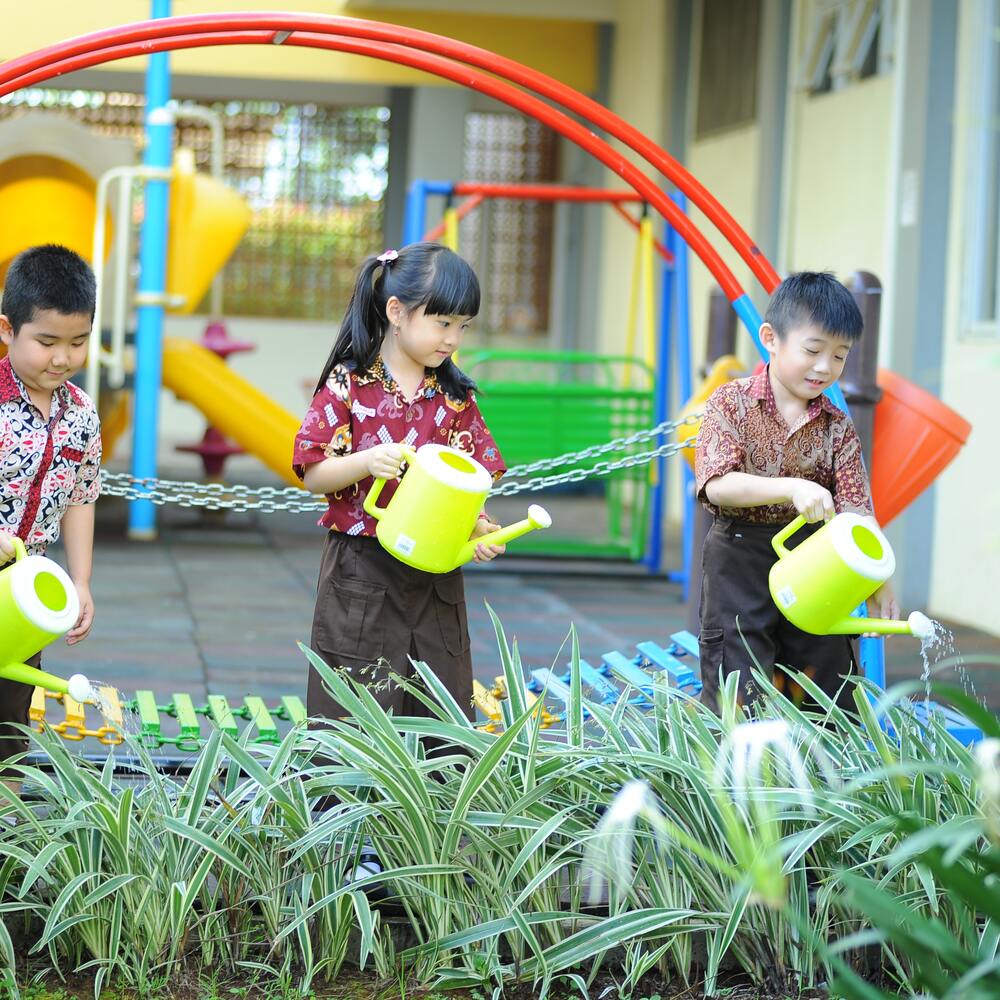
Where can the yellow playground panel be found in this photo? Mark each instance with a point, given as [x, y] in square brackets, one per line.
[51, 170]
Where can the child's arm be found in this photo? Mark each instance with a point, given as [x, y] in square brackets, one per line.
[740, 489]
[78, 538]
[340, 471]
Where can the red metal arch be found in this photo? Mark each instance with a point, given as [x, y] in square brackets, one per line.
[435, 54]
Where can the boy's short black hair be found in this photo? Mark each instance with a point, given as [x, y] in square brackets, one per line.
[814, 297]
[48, 277]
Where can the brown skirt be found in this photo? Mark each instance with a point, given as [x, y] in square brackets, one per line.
[15, 700]
[373, 613]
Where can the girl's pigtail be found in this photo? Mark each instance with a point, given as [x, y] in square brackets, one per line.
[363, 327]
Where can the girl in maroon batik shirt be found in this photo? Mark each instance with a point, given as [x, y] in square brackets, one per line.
[390, 380]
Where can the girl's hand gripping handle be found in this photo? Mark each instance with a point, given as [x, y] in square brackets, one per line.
[409, 456]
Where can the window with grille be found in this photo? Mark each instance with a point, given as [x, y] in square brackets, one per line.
[509, 241]
[314, 176]
[846, 41]
[727, 65]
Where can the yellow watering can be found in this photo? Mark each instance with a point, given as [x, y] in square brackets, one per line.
[38, 603]
[820, 582]
[430, 517]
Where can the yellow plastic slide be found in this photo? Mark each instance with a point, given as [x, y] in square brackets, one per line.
[241, 411]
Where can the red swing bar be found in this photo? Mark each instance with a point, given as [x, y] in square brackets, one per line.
[279, 28]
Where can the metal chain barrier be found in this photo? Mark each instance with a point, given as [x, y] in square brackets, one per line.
[271, 499]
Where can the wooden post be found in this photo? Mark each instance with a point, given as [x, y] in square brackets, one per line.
[859, 381]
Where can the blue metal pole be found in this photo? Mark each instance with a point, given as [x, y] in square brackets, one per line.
[152, 283]
[661, 394]
[414, 222]
[683, 340]
[415, 218]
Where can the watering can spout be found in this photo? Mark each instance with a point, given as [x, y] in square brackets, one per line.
[917, 624]
[538, 517]
[77, 686]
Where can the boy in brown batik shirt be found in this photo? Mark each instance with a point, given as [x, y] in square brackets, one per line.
[770, 447]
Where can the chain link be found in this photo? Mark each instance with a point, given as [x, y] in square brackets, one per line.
[272, 499]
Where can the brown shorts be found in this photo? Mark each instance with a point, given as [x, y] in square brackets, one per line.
[15, 700]
[741, 625]
[373, 613]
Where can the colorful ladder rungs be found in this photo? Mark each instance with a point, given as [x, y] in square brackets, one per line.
[73, 725]
[680, 673]
[621, 666]
[684, 643]
[599, 684]
[181, 708]
[548, 719]
[546, 679]
[222, 715]
[488, 705]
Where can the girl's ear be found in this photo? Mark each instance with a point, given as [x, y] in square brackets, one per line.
[394, 310]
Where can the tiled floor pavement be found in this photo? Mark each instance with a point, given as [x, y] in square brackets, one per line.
[217, 606]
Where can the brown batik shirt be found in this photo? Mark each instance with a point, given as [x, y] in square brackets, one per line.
[743, 431]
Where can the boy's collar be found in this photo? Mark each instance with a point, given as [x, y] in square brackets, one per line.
[12, 388]
[760, 389]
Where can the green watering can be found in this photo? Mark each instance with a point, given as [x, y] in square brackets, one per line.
[38, 604]
[818, 584]
[430, 517]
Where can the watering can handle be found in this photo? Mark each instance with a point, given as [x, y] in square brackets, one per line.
[373, 494]
[20, 552]
[786, 532]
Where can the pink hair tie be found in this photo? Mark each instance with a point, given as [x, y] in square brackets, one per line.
[387, 257]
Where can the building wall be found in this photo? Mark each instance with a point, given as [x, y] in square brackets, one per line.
[840, 178]
[966, 551]
[726, 164]
[639, 93]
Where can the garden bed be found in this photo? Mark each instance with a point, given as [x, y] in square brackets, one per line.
[730, 854]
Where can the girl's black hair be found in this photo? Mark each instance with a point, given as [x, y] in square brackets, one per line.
[423, 274]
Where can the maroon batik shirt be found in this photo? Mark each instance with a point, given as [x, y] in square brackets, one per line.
[743, 431]
[355, 411]
[46, 466]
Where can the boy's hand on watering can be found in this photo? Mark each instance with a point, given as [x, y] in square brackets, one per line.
[486, 552]
[385, 461]
[83, 624]
[811, 500]
[6, 547]
[883, 604]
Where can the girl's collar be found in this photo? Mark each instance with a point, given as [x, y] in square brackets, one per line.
[380, 372]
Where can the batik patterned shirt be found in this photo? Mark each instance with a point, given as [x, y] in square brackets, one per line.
[743, 431]
[355, 411]
[46, 466]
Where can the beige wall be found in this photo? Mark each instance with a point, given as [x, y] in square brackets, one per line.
[840, 172]
[639, 93]
[727, 165]
[966, 578]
